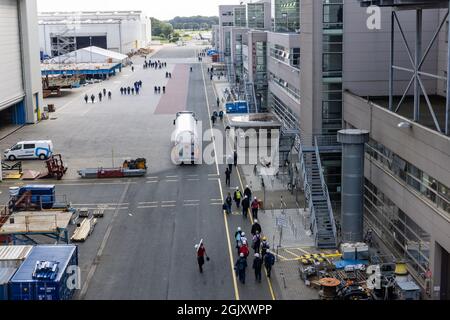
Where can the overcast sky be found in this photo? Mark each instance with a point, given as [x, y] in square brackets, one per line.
[160, 9]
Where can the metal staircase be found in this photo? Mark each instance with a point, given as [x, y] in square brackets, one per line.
[316, 193]
[250, 97]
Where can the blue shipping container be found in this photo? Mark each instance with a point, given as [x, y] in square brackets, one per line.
[44, 194]
[24, 287]
[5, 275]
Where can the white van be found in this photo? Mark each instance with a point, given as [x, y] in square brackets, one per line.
[30, 150]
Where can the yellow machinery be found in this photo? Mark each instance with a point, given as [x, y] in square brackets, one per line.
[139, 163]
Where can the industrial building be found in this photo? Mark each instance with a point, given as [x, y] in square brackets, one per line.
[120, 31]
[20, 79]
[349, 76]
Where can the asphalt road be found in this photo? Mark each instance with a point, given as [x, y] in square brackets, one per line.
[144, 247]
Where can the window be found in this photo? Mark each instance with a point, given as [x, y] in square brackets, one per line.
[28, 146]
[16, 147]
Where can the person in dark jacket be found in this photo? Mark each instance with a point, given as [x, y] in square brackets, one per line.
[121, 91]
[256, 242]
[256, 227]
[245, 206]
[228, 203]
[128, 90]
[100, 96]
[86, 98]
[228, 177]
[93, 98]
[257, 266]
[269, 261]
[264, 247]
[248, 192]
[240, 266]
[104, 92]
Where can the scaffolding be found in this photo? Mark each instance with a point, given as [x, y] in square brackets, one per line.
[417, 58]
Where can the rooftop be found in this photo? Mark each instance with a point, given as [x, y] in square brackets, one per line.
[407, 109]
[406, 3]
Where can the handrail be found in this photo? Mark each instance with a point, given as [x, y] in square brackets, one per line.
[325, 189]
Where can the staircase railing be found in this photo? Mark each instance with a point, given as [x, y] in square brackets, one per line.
[308, 193]
[325, 190]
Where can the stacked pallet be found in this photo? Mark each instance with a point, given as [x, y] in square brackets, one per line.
[84, 230]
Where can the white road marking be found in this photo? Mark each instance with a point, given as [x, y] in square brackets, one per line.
[147, 207]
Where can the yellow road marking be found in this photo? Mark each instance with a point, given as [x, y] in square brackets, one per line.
[301, 250]
[290, 252]
[227, 229]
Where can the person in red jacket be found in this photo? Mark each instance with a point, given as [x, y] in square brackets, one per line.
[244, 249]
[201, 254]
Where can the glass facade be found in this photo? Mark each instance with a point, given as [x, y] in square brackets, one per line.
[431, 190]
[255, 15]
[289, 56]
[397, 231]
[287, 15]
[332, 66]
[239, 58]
[227, 50]
[260, 72]
[240, 17]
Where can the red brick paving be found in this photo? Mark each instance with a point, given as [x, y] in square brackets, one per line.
[175, 99]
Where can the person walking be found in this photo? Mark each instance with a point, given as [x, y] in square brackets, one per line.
[255, 208]
[228, 203]
[104, 92]
[137, 90]
[109, 95]
[269, 261]
[237, 197]
[121, 91]
[218, 102]
[238, 238]
[256, 228]
[86, 98]
[201, 254]
[164, 89]
[228, 177]
[264, 246]
[132, 69]
[243, 238]
[93, 98]
[156, 89]
[244, 248]
[159, 89]
[213, 120]
[128, 90]
[100, 96]
[240, 266]
[256, 242]
[245, 206]
[248, 192]
[230, 162]
[132, 91]
[257, 266]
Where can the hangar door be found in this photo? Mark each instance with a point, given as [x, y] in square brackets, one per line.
[11, 86]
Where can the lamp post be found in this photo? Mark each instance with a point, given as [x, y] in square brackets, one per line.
[285, 15]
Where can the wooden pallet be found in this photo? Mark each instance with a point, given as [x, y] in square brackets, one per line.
[84, 230]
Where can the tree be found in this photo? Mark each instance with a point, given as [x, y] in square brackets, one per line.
[166, 30]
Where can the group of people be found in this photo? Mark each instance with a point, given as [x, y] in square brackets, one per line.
[168, 75]
[262, 254]
[243, 200]
[157, 89]
[132, 90]
[216, 115]
[154, 64]
[101, 95]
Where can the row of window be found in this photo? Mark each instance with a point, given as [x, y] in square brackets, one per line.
[289, 56]
[431, 189]
[286, 86]
[287, 15]
[405, 238]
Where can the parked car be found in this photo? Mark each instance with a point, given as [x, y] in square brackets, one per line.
[30, 150]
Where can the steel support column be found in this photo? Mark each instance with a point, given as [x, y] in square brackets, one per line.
[447, 107]
[391, 69]
[417, 61]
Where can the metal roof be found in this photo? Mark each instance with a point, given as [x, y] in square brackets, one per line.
[406, 3]
[6, 274]
[14, 252]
